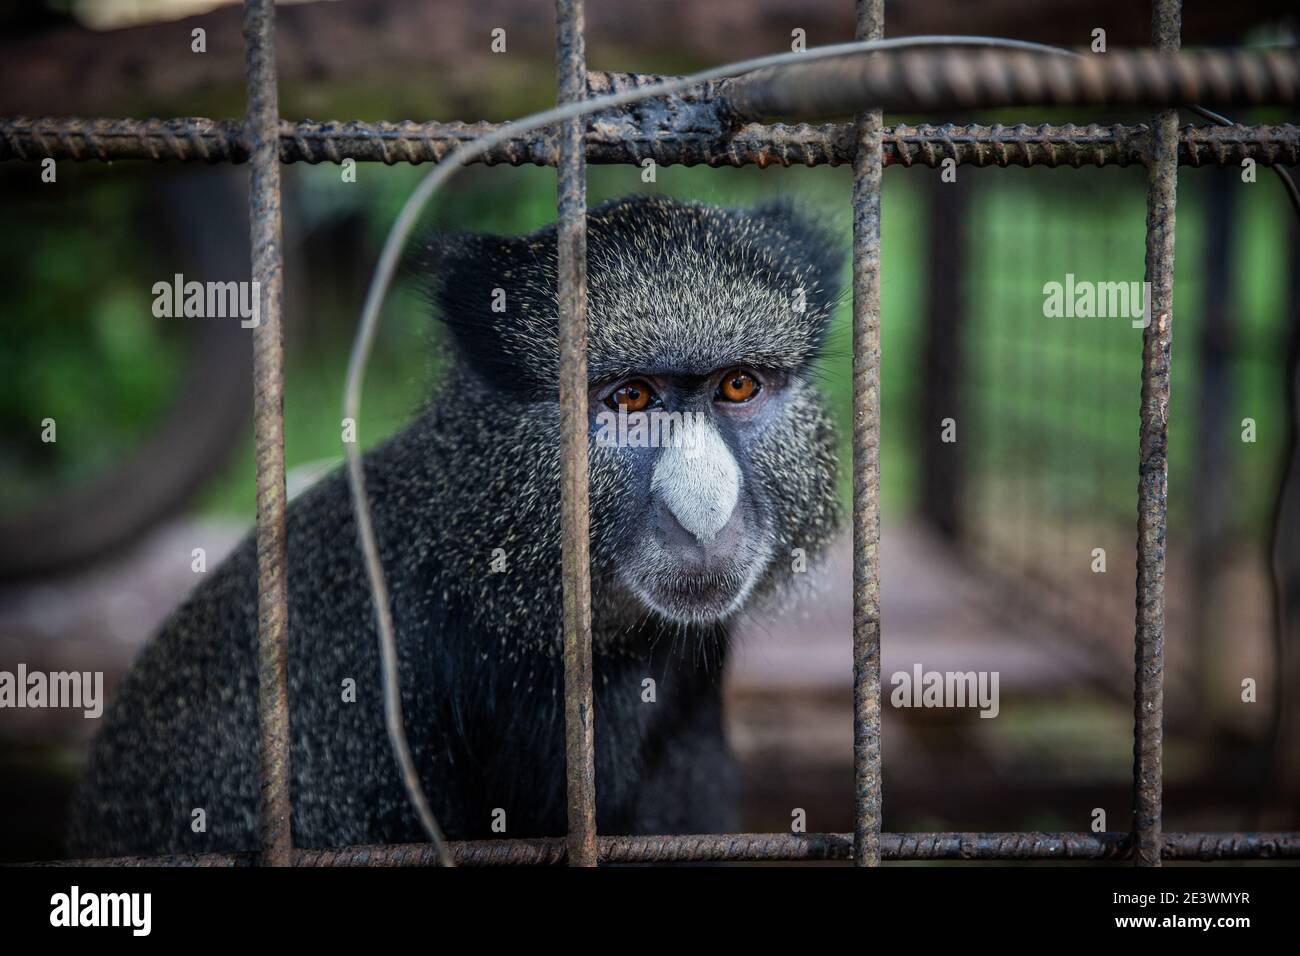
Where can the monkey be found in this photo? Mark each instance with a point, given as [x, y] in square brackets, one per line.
[716, 315]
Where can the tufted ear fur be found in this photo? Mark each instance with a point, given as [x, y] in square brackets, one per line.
[814, 245]
[496, 295]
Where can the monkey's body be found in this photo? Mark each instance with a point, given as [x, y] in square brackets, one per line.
[472, 482]
[483, 705]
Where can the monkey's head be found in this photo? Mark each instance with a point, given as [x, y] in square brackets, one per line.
[712, 460]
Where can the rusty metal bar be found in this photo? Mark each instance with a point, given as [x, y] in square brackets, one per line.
[962, 78]
[1153, 472]
[571, 187]
[268, 424]
[767, 847]
[867, 169]
[680, 132]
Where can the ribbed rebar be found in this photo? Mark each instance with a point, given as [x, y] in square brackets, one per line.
[966, 78]
[1153, 466]
[633, 137]
[867, 168]
[767, 847]
[575, 561]
[268, 427]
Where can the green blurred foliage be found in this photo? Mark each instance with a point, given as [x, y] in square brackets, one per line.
[81, 344]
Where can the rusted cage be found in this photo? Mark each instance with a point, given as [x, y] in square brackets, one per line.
[710, 125]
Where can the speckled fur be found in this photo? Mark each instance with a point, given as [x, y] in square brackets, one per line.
[672, 285]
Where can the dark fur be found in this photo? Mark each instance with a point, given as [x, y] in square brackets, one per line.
[479, 651]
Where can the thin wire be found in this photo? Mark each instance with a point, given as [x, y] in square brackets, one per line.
[1287, 182]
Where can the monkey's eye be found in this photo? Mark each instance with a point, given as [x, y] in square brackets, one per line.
[634, 395]
[737, 386]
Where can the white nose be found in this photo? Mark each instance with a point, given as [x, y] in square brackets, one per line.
[698, 479]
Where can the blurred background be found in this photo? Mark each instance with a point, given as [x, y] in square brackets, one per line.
[988, 542]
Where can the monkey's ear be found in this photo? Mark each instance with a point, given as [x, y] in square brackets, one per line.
[496, 296]
[809, 244]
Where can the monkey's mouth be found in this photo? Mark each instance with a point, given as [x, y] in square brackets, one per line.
[698, 596]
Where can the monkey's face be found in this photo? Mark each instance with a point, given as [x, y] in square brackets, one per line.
[712, 467]
[703, 483]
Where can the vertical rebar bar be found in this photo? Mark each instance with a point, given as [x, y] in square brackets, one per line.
[268, 414]
[867, 169]
[571, 187]
[1153, 475]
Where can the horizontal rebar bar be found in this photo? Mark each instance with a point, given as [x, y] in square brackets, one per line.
[768, 847]
[331, 141]
[961, 78]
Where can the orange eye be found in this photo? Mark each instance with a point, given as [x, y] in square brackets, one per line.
[633, 395]
[737, 386]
